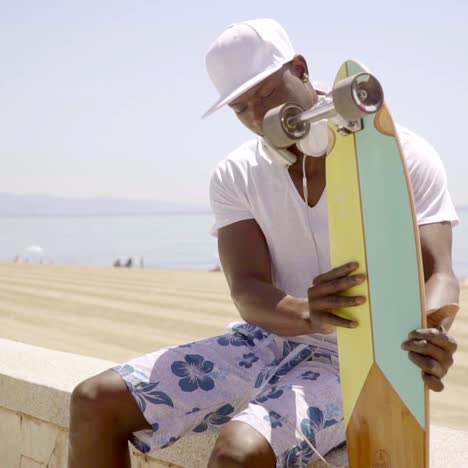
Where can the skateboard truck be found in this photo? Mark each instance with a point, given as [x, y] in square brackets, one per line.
[350, 100]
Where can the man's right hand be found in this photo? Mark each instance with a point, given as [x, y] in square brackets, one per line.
[324, 298]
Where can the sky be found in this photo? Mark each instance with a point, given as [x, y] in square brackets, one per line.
[104, 98]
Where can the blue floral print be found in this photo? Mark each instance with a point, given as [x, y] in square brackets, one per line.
[216, 418]
[271, 393]
[146, 392]
[333, 412]
[193, 372]
[310, 375]
[273, 374]
[250, 331]
[322, 357]
[293, 457]
[290, 346]
[193, 410]
[275, 419]
[302, 454]
[169, 442]
[262, 378]
[126, 370]
[139, 444]
[266, 375]
[234, 340]
[315, 422]
[243, 335]
[249, 359]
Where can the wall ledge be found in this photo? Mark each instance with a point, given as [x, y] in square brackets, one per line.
[36, 384]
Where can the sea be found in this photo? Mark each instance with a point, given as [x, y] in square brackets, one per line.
[180, 241]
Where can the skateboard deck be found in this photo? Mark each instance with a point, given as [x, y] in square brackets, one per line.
[372, 221]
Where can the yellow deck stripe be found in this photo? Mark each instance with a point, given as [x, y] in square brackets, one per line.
[347, 244]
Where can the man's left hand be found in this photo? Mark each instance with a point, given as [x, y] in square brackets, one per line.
[432, 350]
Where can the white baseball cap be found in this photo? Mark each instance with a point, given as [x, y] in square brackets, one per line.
[245, 54]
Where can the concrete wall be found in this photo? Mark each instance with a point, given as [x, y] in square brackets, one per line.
[35, 388]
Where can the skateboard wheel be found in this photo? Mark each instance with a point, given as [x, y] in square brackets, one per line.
[356, 96]
[279, 129]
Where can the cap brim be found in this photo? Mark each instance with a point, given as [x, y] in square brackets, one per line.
[223, 100]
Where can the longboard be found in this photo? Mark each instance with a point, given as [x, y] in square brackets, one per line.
[372, 221]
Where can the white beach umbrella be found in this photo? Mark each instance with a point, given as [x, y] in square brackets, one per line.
[33, 253]
[34, 250]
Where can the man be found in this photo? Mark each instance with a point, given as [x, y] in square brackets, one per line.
[270, 386]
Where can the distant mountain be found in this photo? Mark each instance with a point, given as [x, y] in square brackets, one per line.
[13, 205]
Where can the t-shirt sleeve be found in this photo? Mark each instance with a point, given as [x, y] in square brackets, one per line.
[433, 203]
[228, 196]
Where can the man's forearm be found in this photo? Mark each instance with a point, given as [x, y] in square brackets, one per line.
[441, 289]
[263, 304]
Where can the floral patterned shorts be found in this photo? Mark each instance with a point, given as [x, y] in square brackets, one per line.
[285, 390]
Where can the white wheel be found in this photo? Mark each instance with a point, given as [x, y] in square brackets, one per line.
[278, 128]
[356, 96]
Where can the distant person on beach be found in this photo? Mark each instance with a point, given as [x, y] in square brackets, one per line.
[129, 263]
[278, 369]
[117, 263]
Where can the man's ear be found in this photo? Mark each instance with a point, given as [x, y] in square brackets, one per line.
[299, 66]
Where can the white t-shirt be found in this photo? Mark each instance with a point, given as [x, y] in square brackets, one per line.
[249, 185]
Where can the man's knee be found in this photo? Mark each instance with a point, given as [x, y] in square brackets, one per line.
[91, 399]
[106, 401]
[239, 445]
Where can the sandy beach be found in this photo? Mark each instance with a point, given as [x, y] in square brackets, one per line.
[119, 313]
